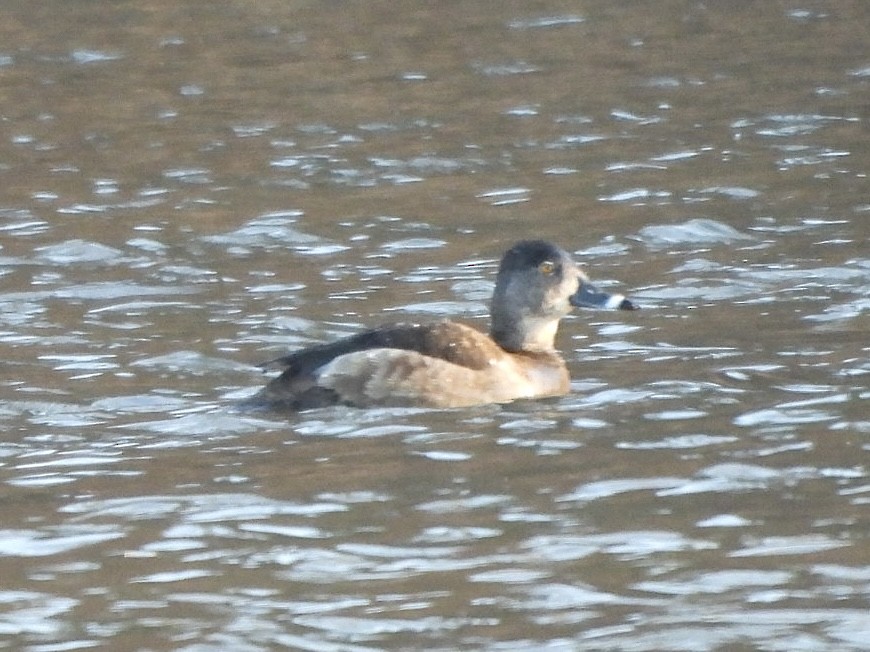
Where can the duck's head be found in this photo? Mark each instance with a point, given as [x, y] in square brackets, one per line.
[538, 283]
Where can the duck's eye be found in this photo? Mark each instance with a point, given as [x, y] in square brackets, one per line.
[547, 267]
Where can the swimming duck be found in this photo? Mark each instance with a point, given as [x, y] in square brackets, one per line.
[447, 364]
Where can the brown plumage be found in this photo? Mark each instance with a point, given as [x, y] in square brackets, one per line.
[447, 364]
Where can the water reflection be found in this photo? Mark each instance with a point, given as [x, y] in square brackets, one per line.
[227, 181]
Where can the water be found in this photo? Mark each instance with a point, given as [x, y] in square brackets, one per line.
[192, 189]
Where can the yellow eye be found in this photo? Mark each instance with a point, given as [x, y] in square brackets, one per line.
[547, 267]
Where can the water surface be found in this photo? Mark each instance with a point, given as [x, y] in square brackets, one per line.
[190, 189]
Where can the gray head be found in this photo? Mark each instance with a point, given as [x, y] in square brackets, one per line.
[537, 284]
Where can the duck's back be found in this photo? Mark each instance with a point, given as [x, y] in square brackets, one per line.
[442, 363]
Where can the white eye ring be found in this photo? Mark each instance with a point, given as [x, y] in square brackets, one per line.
[547, 267]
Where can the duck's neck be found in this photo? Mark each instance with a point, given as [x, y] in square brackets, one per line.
[530, 334]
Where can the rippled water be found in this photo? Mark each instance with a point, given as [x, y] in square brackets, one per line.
[188, 190]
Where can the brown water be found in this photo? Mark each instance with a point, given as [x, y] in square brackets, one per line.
[190, 188]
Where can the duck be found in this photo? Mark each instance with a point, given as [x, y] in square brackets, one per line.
[447, 364]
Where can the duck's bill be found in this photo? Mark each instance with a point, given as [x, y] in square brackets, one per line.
[589, 296]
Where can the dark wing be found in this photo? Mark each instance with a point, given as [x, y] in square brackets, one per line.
[297, 389]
